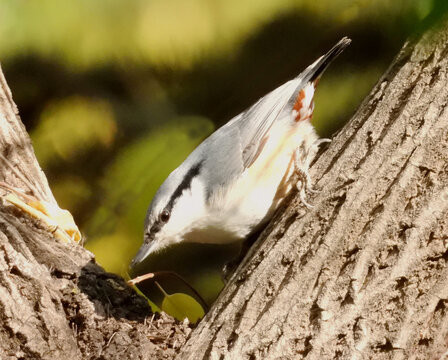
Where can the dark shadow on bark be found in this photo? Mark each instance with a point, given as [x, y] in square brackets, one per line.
[111, 295]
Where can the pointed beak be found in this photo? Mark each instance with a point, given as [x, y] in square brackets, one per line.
[145, 250]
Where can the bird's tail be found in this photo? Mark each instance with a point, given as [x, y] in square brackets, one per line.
[315, 70]
[264, 113]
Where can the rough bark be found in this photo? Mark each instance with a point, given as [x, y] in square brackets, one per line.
[55, 302]
[19, 166]
[361, 275]
[364, 273]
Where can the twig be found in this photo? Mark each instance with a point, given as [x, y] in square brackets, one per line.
[148, 276]
[139, 279]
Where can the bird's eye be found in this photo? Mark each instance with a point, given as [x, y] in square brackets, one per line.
[164, 216]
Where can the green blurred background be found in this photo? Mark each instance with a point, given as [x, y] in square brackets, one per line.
[115, 94]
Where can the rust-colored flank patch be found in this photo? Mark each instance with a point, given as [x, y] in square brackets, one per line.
[298, 104]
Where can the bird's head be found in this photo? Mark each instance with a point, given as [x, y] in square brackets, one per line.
[176, 207]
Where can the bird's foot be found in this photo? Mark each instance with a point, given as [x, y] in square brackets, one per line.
[303, 185]
[302, 160]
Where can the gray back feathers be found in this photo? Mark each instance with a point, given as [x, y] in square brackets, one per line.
[236, 146]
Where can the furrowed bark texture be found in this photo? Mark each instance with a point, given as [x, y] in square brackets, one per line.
[364, 273]
[55, 302]
[18, 164]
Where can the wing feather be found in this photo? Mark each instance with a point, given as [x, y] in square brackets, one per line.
[255, 123]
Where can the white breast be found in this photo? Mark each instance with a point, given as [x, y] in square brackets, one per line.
[236, 211]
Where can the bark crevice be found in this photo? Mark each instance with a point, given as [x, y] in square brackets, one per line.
[362, 279]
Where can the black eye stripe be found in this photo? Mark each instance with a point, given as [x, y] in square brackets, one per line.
[149, 236]
[156, 227]
[184, 185]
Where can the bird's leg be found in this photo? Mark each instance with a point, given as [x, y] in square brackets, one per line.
[302, 160]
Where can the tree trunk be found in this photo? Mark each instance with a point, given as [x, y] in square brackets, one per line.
[364, 273]
[55, 302]
[361, 275]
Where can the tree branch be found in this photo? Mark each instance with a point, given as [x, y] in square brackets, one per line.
[362, 275]
[19, 164]
[55, 301]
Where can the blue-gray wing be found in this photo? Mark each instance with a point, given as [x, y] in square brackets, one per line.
[236, 145]
[256, 122]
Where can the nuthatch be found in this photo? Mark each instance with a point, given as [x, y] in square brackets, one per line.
[232, 183]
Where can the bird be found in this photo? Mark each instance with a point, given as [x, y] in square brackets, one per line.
[231, 184]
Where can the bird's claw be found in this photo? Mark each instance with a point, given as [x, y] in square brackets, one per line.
[319, 142]
[304, 183]
[303, 186]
